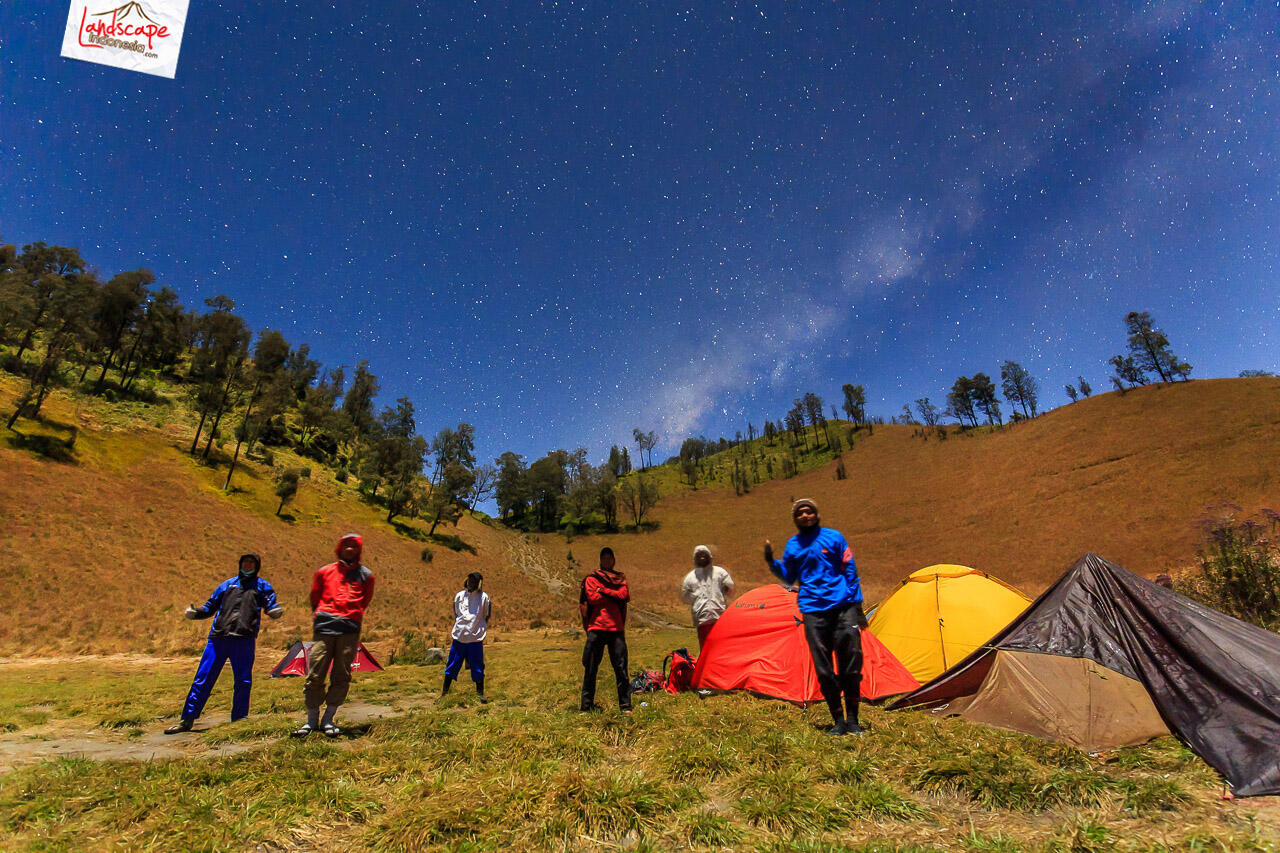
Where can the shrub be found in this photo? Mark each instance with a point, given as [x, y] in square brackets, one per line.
[428, 555]
[1239, 567]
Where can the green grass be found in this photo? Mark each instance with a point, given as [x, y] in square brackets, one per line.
[527, 771]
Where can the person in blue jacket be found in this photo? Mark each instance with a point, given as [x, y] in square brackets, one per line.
[830, 600]
[236, 607]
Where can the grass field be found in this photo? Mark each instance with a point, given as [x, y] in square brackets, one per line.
[528, 772]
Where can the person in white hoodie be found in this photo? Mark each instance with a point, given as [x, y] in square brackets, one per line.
[706, 590]
[471, 611]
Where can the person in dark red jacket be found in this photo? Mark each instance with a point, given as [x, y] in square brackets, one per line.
[603, 606]
[340, 593]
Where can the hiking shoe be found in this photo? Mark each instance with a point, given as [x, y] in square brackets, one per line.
[483, 701]
[302, 731]
[838, 729]
[852, 728]
[180, 727]
[331, 730]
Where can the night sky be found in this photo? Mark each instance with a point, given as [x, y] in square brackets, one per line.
[562, 222]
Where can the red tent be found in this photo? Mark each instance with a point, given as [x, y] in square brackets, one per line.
[758, 645]
[295, 661]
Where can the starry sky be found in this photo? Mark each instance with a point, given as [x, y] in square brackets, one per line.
[560, 221]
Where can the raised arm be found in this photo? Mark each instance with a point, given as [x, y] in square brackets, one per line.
[779, 567]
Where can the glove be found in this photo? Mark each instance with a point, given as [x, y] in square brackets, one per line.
[191, 612]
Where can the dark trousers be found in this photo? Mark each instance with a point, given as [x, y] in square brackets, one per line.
[471, 653]
[238, 650]
[592, 653]
[837, 631]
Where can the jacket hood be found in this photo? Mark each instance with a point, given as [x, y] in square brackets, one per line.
[257, 561]
[613, 577]
[350, 537]
[702, 549]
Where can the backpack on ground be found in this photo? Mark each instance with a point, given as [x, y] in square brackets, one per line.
[678, 668]
[647, 681]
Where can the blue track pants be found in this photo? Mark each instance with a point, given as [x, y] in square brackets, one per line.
[239, 650]
[473, 653]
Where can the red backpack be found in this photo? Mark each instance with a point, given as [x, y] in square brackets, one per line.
[678, 668]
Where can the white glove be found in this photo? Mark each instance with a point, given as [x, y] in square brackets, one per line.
[191, 612]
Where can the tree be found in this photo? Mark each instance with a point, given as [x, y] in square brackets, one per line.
[268, 360]
[770, 433]
[928, 412]
[357, 404]
[1073, 393]
[645, 441]
[795, 423]
[512, 488]
[66, 313]
[160, 336]
[118, 307]
[638, 496]
[1127, 370]
[448, 492]
[960, 402]
[813, 406]
[1085, 388]
[983, 392]
[1149, 348]
[223, 340]
[287, 487]
[42, 274]
[1019, 387]
[486, 477]
[855, 403]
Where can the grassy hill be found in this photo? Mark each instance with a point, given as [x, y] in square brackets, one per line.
[1123, 475]
[104, 551]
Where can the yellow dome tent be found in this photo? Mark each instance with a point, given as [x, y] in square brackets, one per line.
[940, 614]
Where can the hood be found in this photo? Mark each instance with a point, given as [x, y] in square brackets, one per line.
[257, 561]
[702, 549]
[612, 577]
[350, 537]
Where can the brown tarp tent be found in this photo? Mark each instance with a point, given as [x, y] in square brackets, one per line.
[1105, 658]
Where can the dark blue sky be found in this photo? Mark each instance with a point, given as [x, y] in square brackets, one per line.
[562, 222]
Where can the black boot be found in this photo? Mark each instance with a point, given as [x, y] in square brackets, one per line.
[851, 726]
[480, 690]
[447, 683]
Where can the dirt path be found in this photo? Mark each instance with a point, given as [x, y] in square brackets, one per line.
[532, 561]
[17, 750]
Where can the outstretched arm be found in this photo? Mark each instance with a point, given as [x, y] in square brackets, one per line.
[209, 608]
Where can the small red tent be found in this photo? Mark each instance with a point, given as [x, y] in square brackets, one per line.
[295, 661]
[758, 645]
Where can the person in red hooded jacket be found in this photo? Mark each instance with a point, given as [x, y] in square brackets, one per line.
[603, 606]
[340, 593]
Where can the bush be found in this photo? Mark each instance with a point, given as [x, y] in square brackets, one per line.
[1239, 567]
[428, 555]
[341, 475]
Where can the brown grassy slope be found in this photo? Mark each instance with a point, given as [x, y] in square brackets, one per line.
[1125, 476]
[103, 555]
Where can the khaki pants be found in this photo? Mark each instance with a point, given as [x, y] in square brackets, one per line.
[340, 650]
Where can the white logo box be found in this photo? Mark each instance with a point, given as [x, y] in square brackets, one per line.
[134, 35]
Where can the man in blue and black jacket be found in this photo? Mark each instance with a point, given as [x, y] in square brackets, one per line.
[830, 600]
[236, 607]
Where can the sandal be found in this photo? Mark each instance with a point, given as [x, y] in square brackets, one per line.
[331, 730]
[304, 730]
[179, 728]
